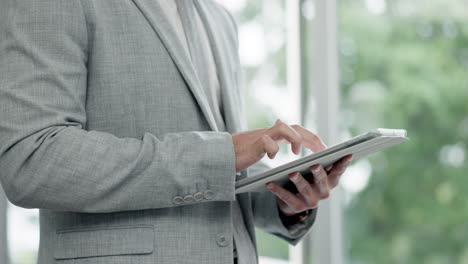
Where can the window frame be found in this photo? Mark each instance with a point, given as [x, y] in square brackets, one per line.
[325, 244]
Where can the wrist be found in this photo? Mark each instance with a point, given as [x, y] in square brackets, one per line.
[289, 220]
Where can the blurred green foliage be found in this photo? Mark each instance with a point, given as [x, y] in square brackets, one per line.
[25, 257]
[408, 71]
[271, 246]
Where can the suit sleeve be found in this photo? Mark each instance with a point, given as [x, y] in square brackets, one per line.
[47, 157]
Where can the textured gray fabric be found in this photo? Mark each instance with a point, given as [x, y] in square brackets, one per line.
[98, 242]
[244, 249]
[172, 13]
[203, 61]
[104, 126]
[202, 57]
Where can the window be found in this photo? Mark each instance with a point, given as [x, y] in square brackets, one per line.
[404, 64]
[23, 234]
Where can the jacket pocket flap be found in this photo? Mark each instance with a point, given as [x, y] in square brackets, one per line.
[98, 242]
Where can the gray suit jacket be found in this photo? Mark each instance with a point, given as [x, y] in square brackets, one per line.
[104, 127]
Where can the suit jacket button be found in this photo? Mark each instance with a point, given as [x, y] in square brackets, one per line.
[209, 194]
[198, 196]
[222, 240]
[189, 199]
[178, 200]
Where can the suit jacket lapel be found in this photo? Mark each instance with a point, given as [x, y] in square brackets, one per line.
[153, 12]
[231, 102]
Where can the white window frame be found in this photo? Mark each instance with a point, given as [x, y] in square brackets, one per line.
[326, 242]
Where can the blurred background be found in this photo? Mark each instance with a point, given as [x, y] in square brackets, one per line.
[341, 68]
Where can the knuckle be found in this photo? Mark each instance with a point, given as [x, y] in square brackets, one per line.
[322, 171]
[304, 187]
[300, 208]
[341, 171]
[279, 123]
[309, 191]
[285, 196]
[322, 175]
[319, 179]
[338, 170]
[314, 204]
[283, 127]
[340, 164]
[272, 188]
[315, 137]
[298, 138]
[276, 148]
[325, 194]
[265, 139]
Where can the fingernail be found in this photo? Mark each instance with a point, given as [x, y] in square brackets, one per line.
[316, 170]
[297, 151]
[295, 176]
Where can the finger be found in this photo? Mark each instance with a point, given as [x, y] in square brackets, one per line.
[338, 169]
[310, 140]
[282, 130]
[294, 203]
[267, 145]
[321, 181]
[252, 135]
[310, 196]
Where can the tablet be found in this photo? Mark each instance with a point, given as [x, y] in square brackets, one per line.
[359, 146]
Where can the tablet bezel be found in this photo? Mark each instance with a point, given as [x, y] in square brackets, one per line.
[353, 142]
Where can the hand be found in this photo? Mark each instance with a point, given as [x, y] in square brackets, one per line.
[309, 195]
[251, 146]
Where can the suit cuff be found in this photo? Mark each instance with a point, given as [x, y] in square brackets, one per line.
[272, 223]
[297, 227]
[220, 163]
